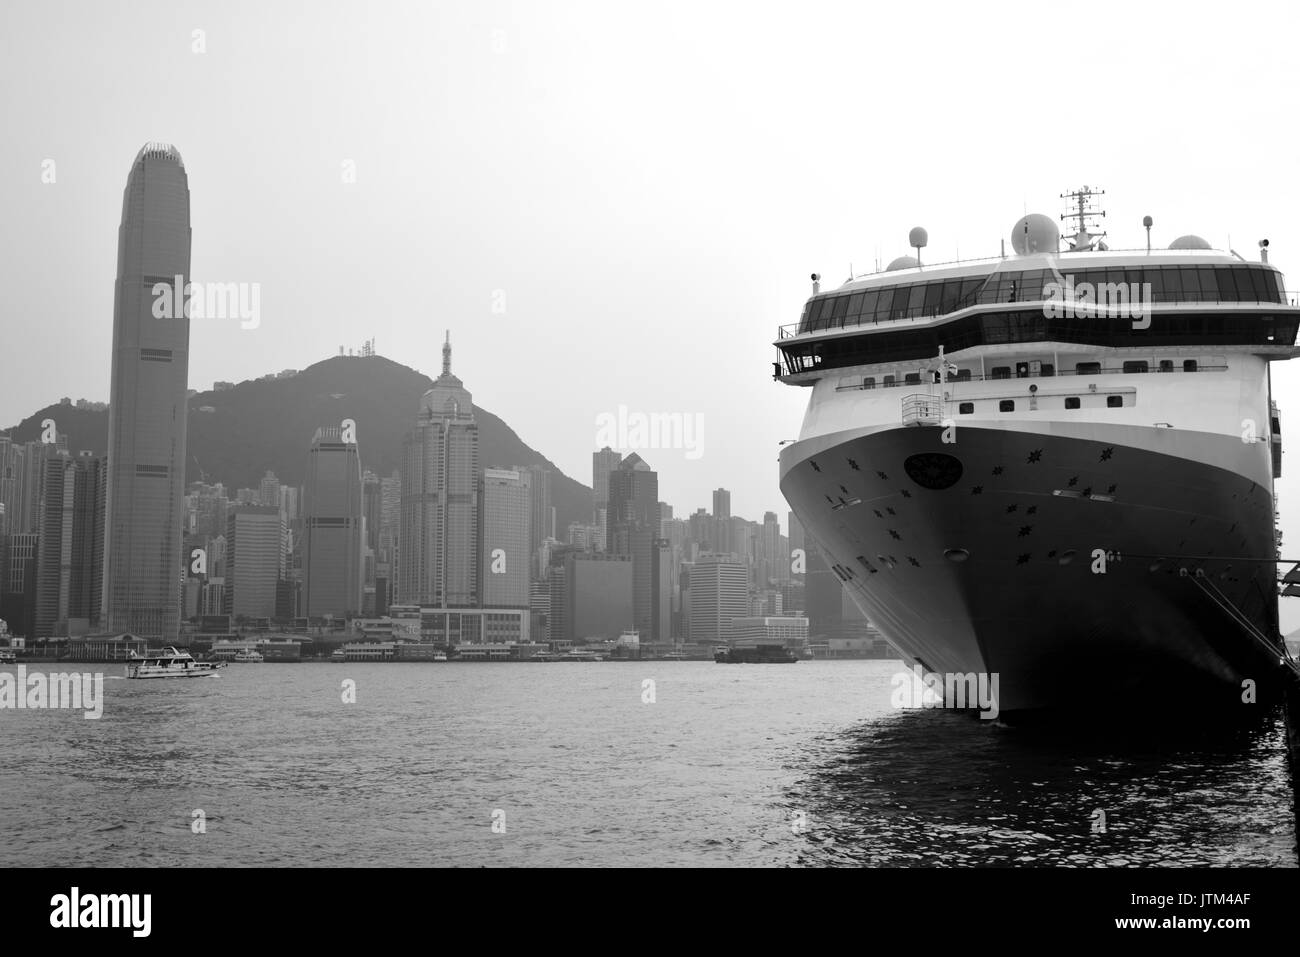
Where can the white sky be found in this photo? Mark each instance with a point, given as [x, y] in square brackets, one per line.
[650, 186]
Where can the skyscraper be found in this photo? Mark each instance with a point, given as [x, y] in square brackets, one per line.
[724, 540]
[331, 564]
[543, 515]
[147, 402]
[719, 588]
[506, 521]
[602, 463]
[438, 536]
[633, 527]
[254, 561]
[69, 564]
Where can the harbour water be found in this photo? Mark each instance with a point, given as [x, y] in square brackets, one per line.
[585, 764]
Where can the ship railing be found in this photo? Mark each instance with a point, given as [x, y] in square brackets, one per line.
[922, 409]
[793, 330]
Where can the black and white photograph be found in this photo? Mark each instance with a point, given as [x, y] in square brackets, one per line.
[556, 434]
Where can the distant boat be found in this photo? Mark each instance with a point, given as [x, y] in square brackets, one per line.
[170, 663]
[439, 656]
[761, 655]
[249, 655]
[7, 657]
[577, 654]
[338, 655]
[675, 656]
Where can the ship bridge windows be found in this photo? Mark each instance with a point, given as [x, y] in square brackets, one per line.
[1244, 282]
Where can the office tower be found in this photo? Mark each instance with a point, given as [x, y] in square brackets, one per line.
[719, 594]
[269, 492]
[437, 560]
[661, 592]
[633, 525]
[372, 507]
[331, 549]
[147, 401]
[12, 458]
[506, 521]
[597, 596]
[602, 463]
[543, 520]
[723, 536]
[771, 568]
[796, 532]
[69, 558]
[254, 557]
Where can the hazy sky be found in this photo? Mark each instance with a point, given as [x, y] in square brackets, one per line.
[649, 186]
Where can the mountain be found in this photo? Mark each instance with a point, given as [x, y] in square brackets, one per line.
[269, 424]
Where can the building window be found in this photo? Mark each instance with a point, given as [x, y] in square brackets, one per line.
[1007, 405]
[966, 408]
[1071, 401]
[1114, 401]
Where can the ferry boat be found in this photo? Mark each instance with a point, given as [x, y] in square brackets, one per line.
[758, 655]
[170, 663]
[249, 655]
[578, 654]
[1055, 466]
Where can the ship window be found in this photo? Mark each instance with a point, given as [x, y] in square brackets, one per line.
[1173, 283]
[912, 378]
[1047, 369]
[1071, 401]
[1166, 365]
[899, 309]
[869, 382]
[1191, 284]
[1189, 365]
[1087, 368]
[1209, 287]
[1002, 372]
[889, 380]
[1137, 365]
[855, 304]
[869, 300]
[841, 306]
[963, 375]
[917, 300]
[1114, 401]
[1022, 370]
[883, 303]
[969, 287]
[966, 408]
[1007, 405]
[1226, 284]
[948, 298]
[933, 294]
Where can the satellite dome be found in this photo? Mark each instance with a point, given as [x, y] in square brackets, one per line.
[1035, 233]
[1189, 241]
[918, 237]
[902, 262]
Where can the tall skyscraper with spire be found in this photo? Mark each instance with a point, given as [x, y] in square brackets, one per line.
[147, 402]
[438, 562]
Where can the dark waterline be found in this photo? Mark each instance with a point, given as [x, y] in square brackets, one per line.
[730, 765]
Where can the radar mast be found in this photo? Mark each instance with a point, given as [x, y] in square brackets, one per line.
[1086, 213]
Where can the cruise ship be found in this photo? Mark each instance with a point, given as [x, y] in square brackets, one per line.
[1054, 466]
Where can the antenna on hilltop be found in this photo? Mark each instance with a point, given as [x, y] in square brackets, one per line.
[1086, 213]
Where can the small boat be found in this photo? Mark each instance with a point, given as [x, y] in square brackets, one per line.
[675, 656]
[577, 654]
[338, 654]
[170, 663]
[249, 655]
[760, 655]
[439, 656]
[7, 657]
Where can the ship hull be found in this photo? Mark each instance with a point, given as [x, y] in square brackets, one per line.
[1073, 566]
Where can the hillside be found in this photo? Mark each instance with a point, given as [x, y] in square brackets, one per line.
[269, 425]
